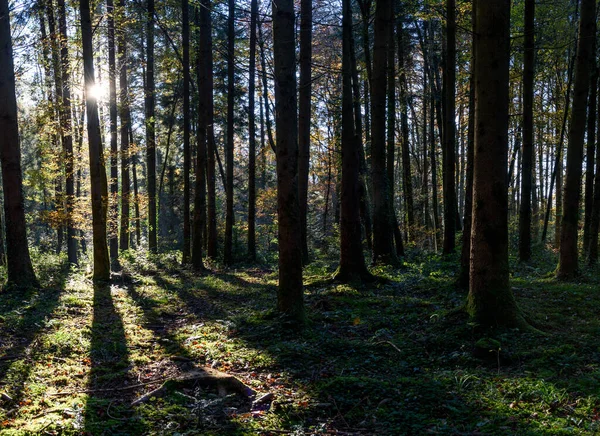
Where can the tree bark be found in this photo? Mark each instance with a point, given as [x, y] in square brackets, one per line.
[595, 221]
[113, 239]
[290, 298]
[568, 256]
[527, 155]
[449, 154]
[465, 255]
[252, 135]
[304, 115]
[67, 136]
[590, 151]
[125, 117]
[383, 235]
[98, 182]
[20, 270]
[490, 300]
[150, 129]
[187, 156]
[204, 95]
[352, 262]
[406, 170]
[229, 218]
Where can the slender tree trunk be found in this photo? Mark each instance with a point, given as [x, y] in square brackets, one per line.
[382, 209]
[99, 186]
[229, 218]
[363, 183]
[204, 93]
[590, 151]
[66, 134]
[113, 239]
[20, 270]
[352, 262]
[150, 129]
[252, 135]
[449, 155]
[290, 299]
[558, 160]
[187, 156]
[568, 256]
[595, 221]
[490, 301]
[304, 110]
[136, 203]
[125, 117]
[211, 247]
[406, 171]
[527, 157]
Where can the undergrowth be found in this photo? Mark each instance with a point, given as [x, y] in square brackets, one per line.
[395, 357]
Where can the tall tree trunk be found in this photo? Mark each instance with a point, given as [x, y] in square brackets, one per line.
[382, 209]
[136, 202]
[406, 171]
[113, 239]
[265, 93]
[229, 218]
[590, 151]
[211, 247]
[527, 157]
[391, 134]
[595, 221]
[449, 154]
[125, 116]
[252, 135]
[363, 193]
[204, 94]
[568, 261]
[66, 134]
[290, 298]
[98, 183]
[187, 156]
[304, 100]
[20, 270]
[490, 301]
[558, 160]
[352, 262]
[150, 129]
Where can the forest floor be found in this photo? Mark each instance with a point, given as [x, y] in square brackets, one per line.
[396, 357]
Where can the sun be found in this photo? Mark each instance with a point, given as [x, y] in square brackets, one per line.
[97, 91]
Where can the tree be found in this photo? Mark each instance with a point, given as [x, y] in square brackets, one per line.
[125, 117]
[352, 262]
[568, 261]
[527, 159]
[490, 300]
[304, 115]
[150, 128]
[204, 97]
[252, 135]
[290, 296]
[66, 132]
[228, 249]
[383, 250]
[113, 241]
[448, 155]
[20, 270]
[187, 157]
[98, 182]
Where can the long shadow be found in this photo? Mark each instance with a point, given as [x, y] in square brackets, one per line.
[109, 368]
[161, 324]
[23, 316]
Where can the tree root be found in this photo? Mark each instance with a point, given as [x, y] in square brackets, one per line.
[225, 383]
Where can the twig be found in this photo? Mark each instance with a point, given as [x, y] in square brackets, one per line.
[112, 417]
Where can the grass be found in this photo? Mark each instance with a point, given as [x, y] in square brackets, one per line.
[394, 357]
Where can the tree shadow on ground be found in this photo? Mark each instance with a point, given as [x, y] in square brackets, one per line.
[23, 316]
[109, 367]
